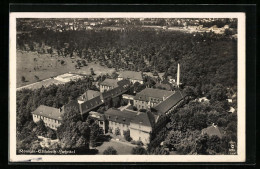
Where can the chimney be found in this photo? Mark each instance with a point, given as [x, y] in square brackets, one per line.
[101, 97]
[178, 75]
[164, 97]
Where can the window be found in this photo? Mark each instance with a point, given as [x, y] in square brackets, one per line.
[101, 122]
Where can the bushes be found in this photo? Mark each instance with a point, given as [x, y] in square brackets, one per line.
[117, 131]
[139, 150]
[110, 151]
[127, 135]
[139, 143]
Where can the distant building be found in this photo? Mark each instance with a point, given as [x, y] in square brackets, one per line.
[150, 97]
[132, 76]
[212, 130]
[108, 84]
[171, 80]
[68, 77]
[51, 116]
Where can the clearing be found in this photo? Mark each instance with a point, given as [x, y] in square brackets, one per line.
[45, 66]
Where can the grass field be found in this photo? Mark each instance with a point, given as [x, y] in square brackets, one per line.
[120, 147]
[31, 64]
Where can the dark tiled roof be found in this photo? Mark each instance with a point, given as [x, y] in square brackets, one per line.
[90, 104]
[97, 115]
[109, 82]
[212, 130]
[131, 75]
[95, 102]
[88, 95]
[127, 116]
[171, 101]
[148, 93]
[124, 117]
[49, 112]
[144, 118]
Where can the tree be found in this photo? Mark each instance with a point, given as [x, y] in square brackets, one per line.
[73, 132]
[139, 150]
[218, 93]
[36, 78]
[110, 151]
[117, 131]
[202, 145]
[23, 79]
[51, 134]
[84, 63]
[94, 134]
[92, 71]
[214, 145]
[41, 128]
[115, 102]
[127, 135]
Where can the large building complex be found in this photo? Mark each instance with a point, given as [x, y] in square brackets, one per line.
[153, 107]
[140, 124]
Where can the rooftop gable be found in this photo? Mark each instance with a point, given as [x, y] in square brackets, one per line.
[171, 101]
[109, 82]
[153, 93]
[49, 112]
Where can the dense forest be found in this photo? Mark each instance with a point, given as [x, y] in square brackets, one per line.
[208, 68]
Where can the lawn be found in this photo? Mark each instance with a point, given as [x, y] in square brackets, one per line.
[31, 64]
[121, 148]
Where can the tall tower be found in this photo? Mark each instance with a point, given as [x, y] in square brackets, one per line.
[178, 75]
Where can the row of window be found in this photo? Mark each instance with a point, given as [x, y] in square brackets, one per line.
[46, 119]
[115, 123]
[51, 125]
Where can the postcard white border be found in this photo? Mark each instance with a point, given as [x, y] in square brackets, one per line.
[241, 144]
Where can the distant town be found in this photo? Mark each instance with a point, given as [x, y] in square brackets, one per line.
[126, 86]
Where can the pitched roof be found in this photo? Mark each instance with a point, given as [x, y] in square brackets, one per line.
[171, 101]
[49, 112]
[131, 75]
[144, 118]
[152, 93]
[212, 130]
[124, 117]
[90, 104]
[109, 82]
[128, 116]
[96, 101]
[88, 95]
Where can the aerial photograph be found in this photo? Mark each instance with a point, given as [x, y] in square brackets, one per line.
[126, 86]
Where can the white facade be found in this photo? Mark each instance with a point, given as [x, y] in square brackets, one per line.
[52, 123]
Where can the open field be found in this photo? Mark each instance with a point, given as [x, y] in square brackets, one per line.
[31, 64]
